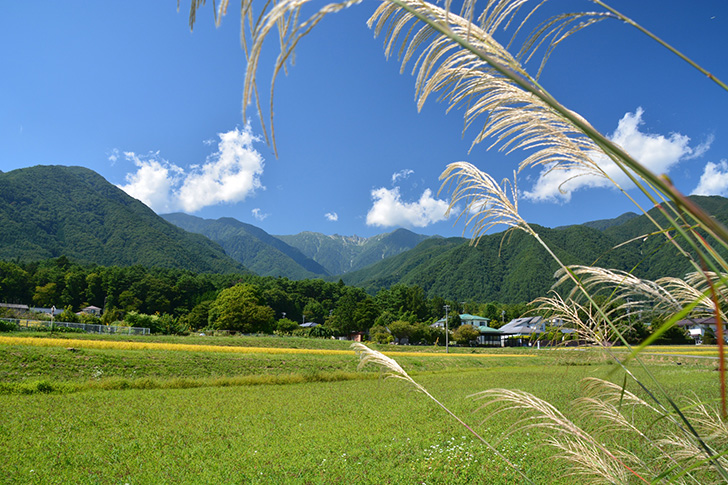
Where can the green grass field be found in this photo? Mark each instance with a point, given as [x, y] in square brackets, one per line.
[72, 414]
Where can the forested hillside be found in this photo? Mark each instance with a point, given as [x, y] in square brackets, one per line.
[251, 246]
[658, 257]
[516, 268]
[52, 211]
[511, 269]
[49, 211]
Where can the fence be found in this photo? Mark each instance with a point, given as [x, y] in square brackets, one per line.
[86, 327]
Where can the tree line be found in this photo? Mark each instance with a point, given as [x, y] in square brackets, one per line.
[180, 301]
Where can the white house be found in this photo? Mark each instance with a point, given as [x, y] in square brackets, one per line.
[697, 327]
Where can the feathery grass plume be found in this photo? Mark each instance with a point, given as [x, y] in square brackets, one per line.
[591, 459]
[707, 418]
[610, 403]
[592, 326]
[457, 57]
[612, 393]
[690, 457]
[392, 369]
[487, 203]
[589, 324]
[621, 284]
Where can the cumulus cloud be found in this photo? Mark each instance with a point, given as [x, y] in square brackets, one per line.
[714, 180]
[229, 175]
[332, 216]
[258, 214]
[390, 210]
[153, 182]
[656, 152]
[402, 174]
[114, 156]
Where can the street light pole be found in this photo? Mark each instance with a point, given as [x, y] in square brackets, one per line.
[447, 331]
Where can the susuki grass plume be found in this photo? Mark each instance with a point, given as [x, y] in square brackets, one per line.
[456, 56]
[392, 369]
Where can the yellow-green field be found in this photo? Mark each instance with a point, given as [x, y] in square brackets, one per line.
[82, 410]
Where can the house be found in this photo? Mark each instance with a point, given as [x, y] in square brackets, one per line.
[13, 306]
[92, 310]
[473, 320]
[488, 336]
[697, 327]
[524, 326]
[520, 330]
[357, 336]
[50, 311]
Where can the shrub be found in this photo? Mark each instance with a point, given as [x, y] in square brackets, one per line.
[465, 334]
[8, 326]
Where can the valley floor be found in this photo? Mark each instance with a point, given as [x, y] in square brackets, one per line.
[83, 410]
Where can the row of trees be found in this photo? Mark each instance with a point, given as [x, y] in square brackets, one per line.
[171, 301]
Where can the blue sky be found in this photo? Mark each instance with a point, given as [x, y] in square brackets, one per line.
[125, 89]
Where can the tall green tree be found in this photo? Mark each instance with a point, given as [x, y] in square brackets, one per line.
[239, 308]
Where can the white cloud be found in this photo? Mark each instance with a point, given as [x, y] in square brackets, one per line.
[332, 216]
[402, 174]
[389, 209]
[114, 156]
[153, 181]
[259, 215]
[229, 175]
[714, 180]
[656, 152]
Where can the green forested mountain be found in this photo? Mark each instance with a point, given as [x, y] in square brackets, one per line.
[659, 257]
[49, 211]
[516, 268]
[253, 247]
[603, 224]
[342, 254]
[513, 269]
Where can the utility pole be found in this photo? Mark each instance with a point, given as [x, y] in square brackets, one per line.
[447, 331]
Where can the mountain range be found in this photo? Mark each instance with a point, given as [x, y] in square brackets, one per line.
[49, 211]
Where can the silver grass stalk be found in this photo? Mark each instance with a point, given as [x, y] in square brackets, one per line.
[593, 459]
[393, 370]
[589, 324]
[487, 203]
[459, 59]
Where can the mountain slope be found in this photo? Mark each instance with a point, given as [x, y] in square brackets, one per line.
[518, 269]
[661, 258]
[511, 270]
[253, 247]
[343, 254]
[604, 224]
[49, 211]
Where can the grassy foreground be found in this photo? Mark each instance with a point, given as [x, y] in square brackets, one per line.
[348, 430]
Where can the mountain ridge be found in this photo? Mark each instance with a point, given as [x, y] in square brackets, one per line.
[251, 246]
[49, 211]
[52, 210]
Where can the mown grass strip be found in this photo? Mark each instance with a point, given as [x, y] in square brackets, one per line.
[44, 386]
[119, 345]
